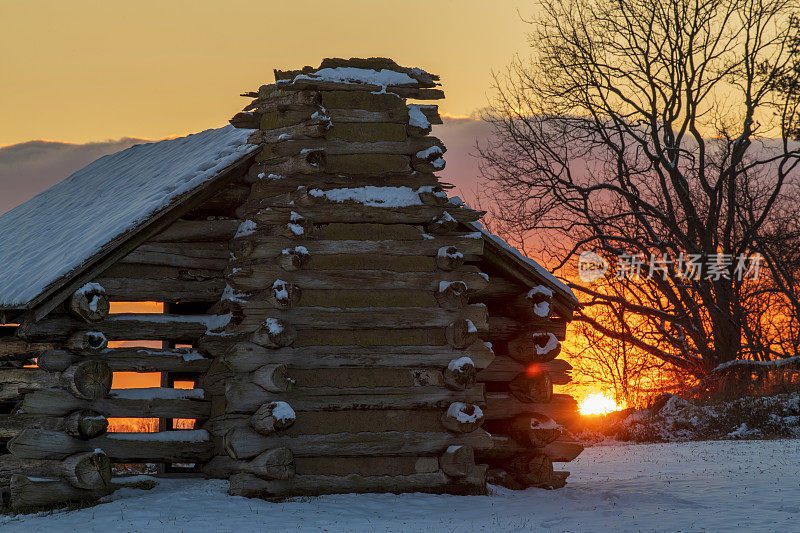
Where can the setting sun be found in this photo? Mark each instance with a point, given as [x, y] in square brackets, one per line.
[598, 403]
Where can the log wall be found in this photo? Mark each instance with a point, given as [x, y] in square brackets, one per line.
[350, 331]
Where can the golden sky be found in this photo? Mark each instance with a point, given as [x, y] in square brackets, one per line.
[86, 70]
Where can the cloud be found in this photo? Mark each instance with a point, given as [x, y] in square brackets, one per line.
[28, 168]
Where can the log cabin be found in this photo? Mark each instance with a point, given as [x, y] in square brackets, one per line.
[345, 325]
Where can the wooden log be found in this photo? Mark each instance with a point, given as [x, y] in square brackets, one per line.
[367, 377]
[325, 422]
[166, 446]
[369, 317]
[366, 466]
[246, 357]
[461, 333]
[132, 360]
[452, 295]
[506, 329]
[88, 380]
[537, 431]
[532, 387]
[371, 337]
[203, 255]
[89, 303]
[272, 417]
[264, 187]
[531, 470]
[257, 247]
[503, 368]
[222, 204]
[353, 298]
[499, 289]
[277, 463]
[81, 424]
[449, 258]
[32, 493]
[86, 342]
[173, 405]
[538, 347]
[404, 91]
[352, 212]
[85, 424]
[457, 461]
[246, 443]
[255, 278]
[534, 304]
[283, 100]
[561, 451]
[199, 230]
[242, 397]
[13, 348]
[562, 408]
[144, 326]
[307, 485]
[460, 373]
[87, 470]
[402, 146]
[312, 128]
[14, 382]
[272, 378]
[274, 333]
[311, 162]
[462, 417]
[168, 289]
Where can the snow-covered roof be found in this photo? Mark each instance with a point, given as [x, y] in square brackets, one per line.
[58, 230]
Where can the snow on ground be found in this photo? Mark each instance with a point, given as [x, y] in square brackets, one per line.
[687, 487]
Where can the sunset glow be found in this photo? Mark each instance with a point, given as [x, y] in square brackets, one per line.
[598, 403]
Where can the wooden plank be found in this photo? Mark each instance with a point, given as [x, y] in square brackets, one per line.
[562, 408]
[504, 368]
[270, 247]
[245, 444]
[132, 360]
[213, 256]
[246, 357]
[251, 277]
[170, 290]
[199, 230]
[364, 318]
[61, 403]
[167, 446]
[128, 326]
[308, 485]
[247, 397]
[351, 212]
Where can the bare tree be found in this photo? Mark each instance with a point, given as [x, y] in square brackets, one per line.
[656, 131]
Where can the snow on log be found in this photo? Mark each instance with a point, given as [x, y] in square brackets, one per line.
[274, 333]
[457, 461]
[272, 417]
[460, 373]
[452, 295]
[461, 333]
[449, 258]
[87, 342]
[462, 418]
[538, 347]
[89, 303]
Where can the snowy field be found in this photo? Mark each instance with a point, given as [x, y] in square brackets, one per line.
[695, 486]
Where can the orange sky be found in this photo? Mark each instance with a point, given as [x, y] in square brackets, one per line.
[88, 70]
